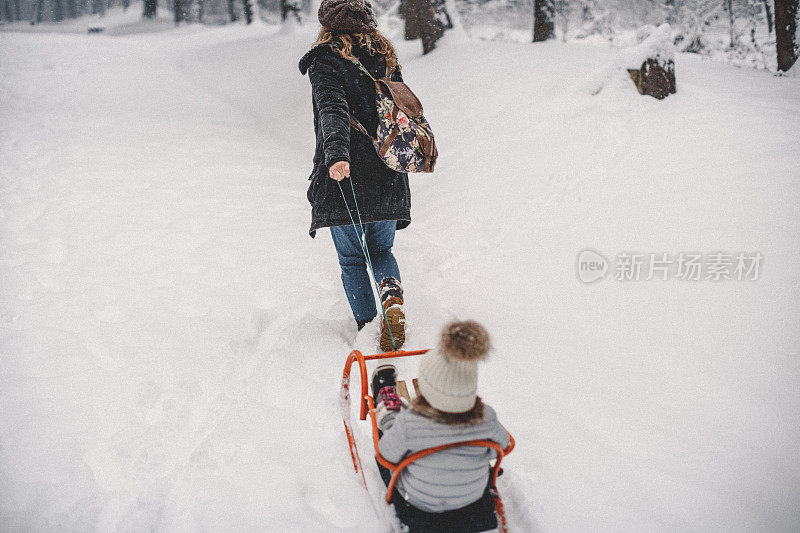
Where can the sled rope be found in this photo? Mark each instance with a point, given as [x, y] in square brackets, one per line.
[365, 250]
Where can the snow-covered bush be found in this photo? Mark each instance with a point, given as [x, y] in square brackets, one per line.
[648, 42]
[632, 50]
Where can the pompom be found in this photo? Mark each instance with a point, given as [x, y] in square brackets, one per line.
[467, 341]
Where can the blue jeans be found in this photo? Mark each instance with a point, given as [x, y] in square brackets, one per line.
[355, 278]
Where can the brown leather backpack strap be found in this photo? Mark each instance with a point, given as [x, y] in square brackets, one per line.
[389, 140]
[363, 68]
[392, 134]
[429, 147]
[357, 125]
[403, 97]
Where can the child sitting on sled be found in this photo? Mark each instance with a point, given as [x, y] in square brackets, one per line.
[447, 490]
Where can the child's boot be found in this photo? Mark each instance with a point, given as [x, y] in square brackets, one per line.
[384, 379]
[392, 301]
[383, 376]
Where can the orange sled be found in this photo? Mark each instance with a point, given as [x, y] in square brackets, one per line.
[366, 406]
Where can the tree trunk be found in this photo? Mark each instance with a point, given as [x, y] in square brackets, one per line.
[409, 17]
[7, 10]
[149, 8]
[72, 9]
[422, 21]
[290, 6]
[731, 23]
[58, 10]
[37, 12]
[433, 26]
[785, 32]
[180, 11]
[442, 15]
[232, 11]
[17, 11]
[768, 15]
[543, 27]
[248, 11]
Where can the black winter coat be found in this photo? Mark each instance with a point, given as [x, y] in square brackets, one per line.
[340, 88]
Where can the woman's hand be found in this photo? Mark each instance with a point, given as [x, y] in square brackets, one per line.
[339, 170]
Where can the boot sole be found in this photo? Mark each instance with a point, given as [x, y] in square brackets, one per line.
[397, 325]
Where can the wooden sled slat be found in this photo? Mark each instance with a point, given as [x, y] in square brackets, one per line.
[416, 386]
[402, 390]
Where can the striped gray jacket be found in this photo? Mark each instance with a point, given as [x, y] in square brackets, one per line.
[445, 480]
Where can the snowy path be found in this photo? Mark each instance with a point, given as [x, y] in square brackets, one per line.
[171, 340]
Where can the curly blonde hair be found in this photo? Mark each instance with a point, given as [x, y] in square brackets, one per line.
[374, 41]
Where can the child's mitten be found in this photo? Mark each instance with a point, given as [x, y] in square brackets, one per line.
[388, 402]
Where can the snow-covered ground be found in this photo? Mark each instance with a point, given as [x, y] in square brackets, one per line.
[171, 341]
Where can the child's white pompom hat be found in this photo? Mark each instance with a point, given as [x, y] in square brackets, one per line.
[448, 375]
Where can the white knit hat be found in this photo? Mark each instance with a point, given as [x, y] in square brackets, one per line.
[448, 375]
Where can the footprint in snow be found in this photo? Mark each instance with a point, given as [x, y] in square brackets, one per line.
[339, 516]
[101, 353]
[144, 259]
[190, 306]
[54, 251]
[111, 314]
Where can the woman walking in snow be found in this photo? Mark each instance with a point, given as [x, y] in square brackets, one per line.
[341, 90]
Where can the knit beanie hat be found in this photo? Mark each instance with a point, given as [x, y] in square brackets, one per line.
[347, 16]
[448, 375]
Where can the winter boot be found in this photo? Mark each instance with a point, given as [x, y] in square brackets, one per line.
[383, 376]
[383, 390]
[392, 302]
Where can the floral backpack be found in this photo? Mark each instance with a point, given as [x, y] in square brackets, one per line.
[404, 140]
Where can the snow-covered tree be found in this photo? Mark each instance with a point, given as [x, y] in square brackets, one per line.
[290, 6]
[693, 17]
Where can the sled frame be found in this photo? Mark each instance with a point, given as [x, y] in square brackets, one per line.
[367, 407]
